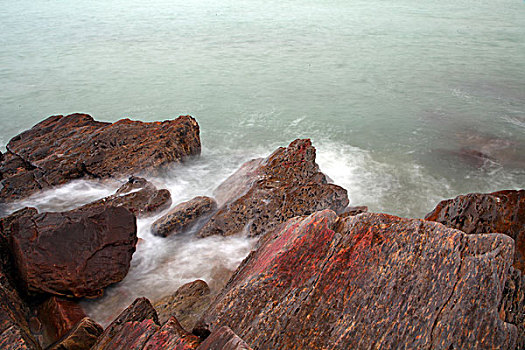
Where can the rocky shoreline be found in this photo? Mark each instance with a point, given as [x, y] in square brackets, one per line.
[323, 275]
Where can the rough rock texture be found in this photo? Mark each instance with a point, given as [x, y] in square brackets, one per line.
[224, 339]
[368, 281]
[187, 304]
[57, 317]
[502, 212]
[264, 193]
[76, 253]
[132, 335]
[81, 337]
[351, 211]
[137, 195]
[62, 148]
[512, 308]
[183, 216]
[140, 310]
[172, 337]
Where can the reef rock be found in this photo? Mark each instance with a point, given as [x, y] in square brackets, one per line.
[187, 304]
[372, 280]
[76, 253]
[63, 148]
[183, 216]
[264, 193]
[475, 213]
[137, 195]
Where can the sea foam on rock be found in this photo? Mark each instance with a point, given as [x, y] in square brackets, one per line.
[346, 283]
[264, 193]
[63, 148]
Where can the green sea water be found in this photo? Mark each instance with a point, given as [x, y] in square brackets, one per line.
[407, 102]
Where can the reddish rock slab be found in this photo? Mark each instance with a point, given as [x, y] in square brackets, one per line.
[76, 253]
[264, 193]
[58, 316]
[512, 309]
[140, 310]
[368, 281]
[63, 148]
[132, 335]
[137, 195]
[172, 337]
[224, 339]
[476, 213]
[81, 337]
[187, 304]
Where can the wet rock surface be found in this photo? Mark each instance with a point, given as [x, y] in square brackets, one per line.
[187, 304]
[183, 216]
[137, 195]
[223, 338]
[63, 148]
[347, 283]
[477, 213]
[81, 337]
[264, 193]
[512, 308]
[76, 253]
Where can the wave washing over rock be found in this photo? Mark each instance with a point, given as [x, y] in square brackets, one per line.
[316, 274]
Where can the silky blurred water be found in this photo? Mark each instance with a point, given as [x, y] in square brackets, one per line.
[400, 98]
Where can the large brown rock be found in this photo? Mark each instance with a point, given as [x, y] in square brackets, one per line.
[187, 304]
[62, 148]
[476, 213]
[368, 281]
[137, 195]
[140, 313]
[76, 253]
[183, 216]
[264, 193]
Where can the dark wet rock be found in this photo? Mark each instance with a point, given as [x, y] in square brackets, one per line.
[264, 193]
[187, 304]
[76, 253]
[58, 317]
[137, 195]
[82, 337]
[352, 211]
[173, 337]
[477, 213]
[184, 216]
[132, 335]
[63, 148]
[223, 338]
[512, 308]
[372, 280]
[138, 312]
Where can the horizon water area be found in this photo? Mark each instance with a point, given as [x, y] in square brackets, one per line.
[407, 102]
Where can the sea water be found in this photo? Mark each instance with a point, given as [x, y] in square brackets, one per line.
[400, 99]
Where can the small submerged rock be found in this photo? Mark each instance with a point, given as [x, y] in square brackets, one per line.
[264, 193]
[184, 216]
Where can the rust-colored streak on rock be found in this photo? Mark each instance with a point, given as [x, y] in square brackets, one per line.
[172, 337]
[76, 253]
[512, 309]
[372, 280]
[475, 213]
[62, 148]
[58, 316]
[224, 339]
[132, 335]
[81, 337]
[262, 194]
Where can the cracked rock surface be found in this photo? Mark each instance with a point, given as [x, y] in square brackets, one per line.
[368, 281]
[63, 148]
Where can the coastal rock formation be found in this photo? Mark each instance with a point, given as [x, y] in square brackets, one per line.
[476, 213]
[137, 195]
[63, 148]
[512, 308]
[172, 336]
[83, 335]
[76, 253]
[183, 216]
[264, 193]
[187, 304]
[224, 339]
[369, 280]
[140, 310]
